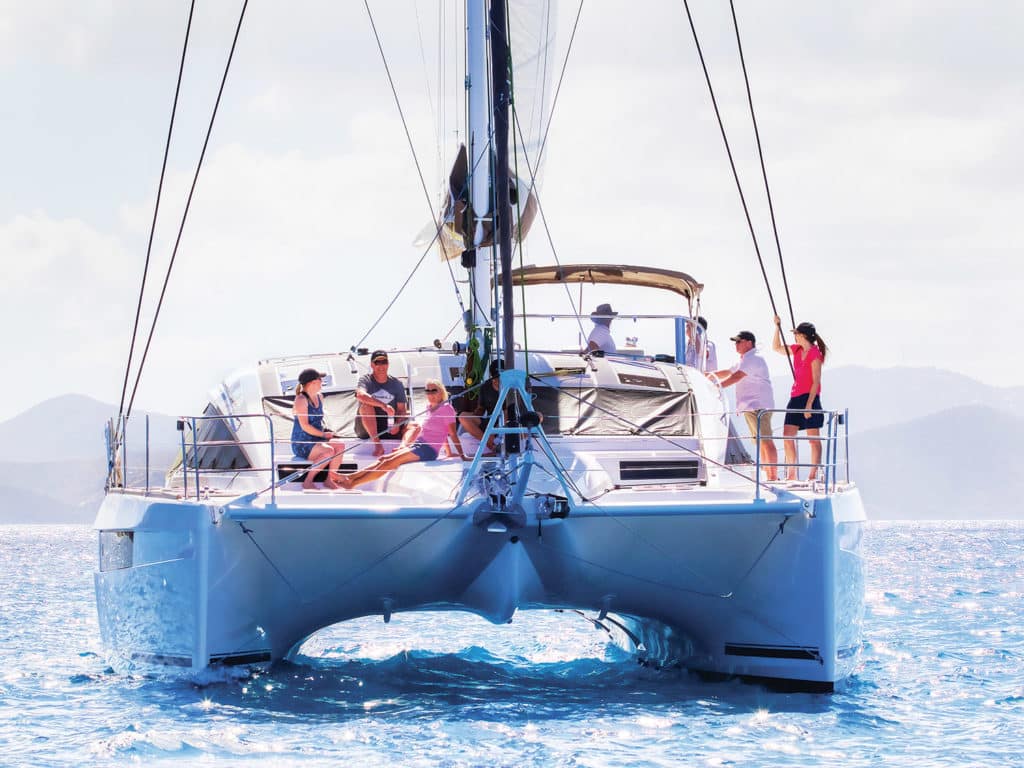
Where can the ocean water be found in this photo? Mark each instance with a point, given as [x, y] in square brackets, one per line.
[941, 680]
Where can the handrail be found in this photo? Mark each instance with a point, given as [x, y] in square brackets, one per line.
[689, 335]
[197, 444]
[836, 420]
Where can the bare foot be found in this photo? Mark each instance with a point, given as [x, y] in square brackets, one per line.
[378, 448]
[308, 485]
[344, 481]
[331, 484]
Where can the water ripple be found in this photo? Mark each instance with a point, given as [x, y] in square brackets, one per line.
[940, 682]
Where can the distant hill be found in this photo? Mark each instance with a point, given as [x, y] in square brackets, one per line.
[925, 443]
[882, 397]
[961, 463]
[70, 427]
[18, 505]
[56, 473]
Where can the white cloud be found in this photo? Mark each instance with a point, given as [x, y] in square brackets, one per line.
[890, 134]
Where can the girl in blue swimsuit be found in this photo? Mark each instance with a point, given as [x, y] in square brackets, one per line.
[310, 440]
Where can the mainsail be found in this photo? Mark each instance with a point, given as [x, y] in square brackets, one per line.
[531, 43]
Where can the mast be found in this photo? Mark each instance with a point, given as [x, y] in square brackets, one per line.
[477, 259]
[502, 203]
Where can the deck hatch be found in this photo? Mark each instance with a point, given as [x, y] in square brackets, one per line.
[660, 469]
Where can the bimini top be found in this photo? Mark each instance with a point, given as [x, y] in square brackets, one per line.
[619, 274]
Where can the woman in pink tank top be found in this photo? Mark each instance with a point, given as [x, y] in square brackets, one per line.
[421, 442]
[804, 407]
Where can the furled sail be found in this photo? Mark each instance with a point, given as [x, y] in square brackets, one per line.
[531, 38]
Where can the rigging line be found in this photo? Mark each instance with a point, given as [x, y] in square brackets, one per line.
[732, 165]
[544, 221]
[401, 113]
[670, 559]
[408, 137]
[156, 210]
[608, 569]
[437, 233]
[393, 551]
[458, 295]
[188, 205]
[558, 88]
[248, 532]
[753, 565]
[760, 154]
[426, 79]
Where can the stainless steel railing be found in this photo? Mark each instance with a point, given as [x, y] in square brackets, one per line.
[836, 428]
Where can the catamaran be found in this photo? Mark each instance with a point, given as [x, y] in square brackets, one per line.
[617, 488]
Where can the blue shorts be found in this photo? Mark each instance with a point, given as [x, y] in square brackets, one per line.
[797, 420]
[303, 449]
[423, 451]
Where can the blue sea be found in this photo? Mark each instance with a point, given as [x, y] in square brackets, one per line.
[941, 680]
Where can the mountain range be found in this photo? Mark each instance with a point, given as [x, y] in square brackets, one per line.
[924, 444]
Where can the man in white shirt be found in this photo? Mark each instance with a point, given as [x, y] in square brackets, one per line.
[753, 394]
[601, 337]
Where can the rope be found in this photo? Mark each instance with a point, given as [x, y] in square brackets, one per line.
[547, 230]
[156, 210]
[760, 154]
[540, 154]
[408, 138]
[248, 532]
[735, 173]
[400, 290]
[558, 88]
[188, 204]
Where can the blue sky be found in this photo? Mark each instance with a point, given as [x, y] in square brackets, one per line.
[891, 135]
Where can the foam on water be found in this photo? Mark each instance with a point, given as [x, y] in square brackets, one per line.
[940, 683]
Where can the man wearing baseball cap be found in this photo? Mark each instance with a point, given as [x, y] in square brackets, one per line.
[381, 399]
[753, 394]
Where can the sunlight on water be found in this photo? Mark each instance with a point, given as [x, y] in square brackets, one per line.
[940, 681]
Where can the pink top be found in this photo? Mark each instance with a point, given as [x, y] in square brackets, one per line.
[804, 377]
[435, 428]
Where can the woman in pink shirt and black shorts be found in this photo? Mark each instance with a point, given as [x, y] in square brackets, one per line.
[804, 407]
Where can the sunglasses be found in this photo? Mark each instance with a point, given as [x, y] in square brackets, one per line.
[431, 391]
[380, 362]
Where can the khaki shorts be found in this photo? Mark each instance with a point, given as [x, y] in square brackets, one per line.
[766, 423]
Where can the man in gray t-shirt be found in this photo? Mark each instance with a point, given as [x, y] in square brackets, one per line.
[381, 398]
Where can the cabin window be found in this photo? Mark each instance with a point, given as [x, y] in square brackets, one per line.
[220, 450]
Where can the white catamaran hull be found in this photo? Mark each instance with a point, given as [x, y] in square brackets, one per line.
[767, 590]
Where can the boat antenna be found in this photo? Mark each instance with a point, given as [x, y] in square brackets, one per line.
[156, 211]
[735, 173]
[502, 204]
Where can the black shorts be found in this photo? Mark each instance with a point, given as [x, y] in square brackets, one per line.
[382, 428]
[799, 403]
